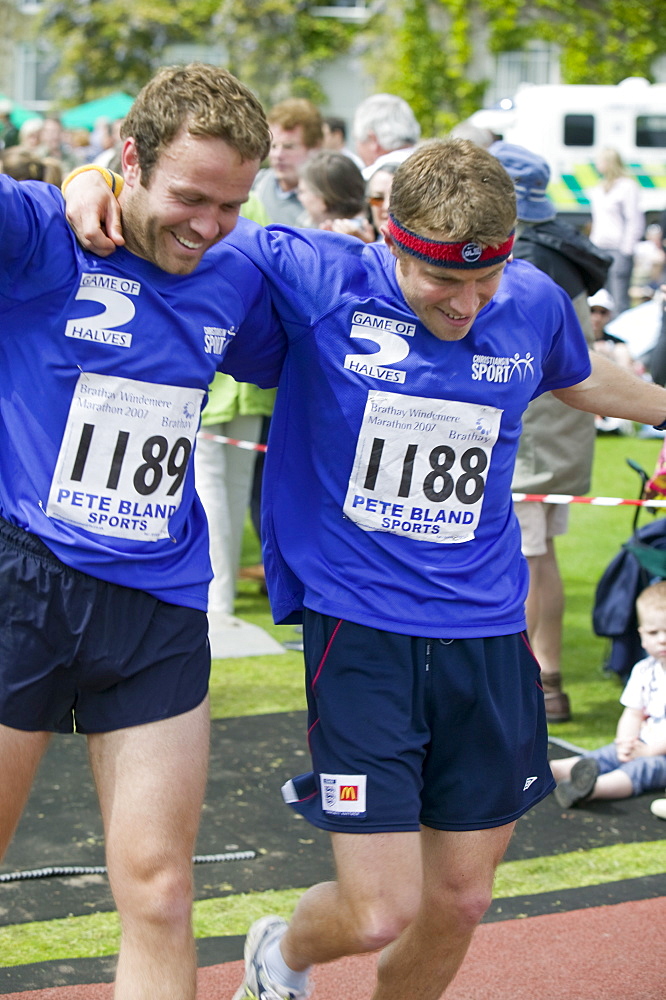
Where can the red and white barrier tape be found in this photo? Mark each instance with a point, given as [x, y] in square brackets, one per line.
[248, 445]
[593, 501]
[540, 497]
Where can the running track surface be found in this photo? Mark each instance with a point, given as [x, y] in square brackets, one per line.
[603, 953]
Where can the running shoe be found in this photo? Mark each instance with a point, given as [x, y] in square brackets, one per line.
[257, 985]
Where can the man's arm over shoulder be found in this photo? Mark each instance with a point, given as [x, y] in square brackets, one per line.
[615, 392]
[306, 269]
[93, 212]
[257, 350]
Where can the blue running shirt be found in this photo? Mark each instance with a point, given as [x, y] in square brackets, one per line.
[387, 487]
[104, 366]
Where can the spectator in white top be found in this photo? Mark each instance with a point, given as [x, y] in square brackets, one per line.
[617, 222]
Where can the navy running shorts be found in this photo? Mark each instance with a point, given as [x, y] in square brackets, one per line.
[77, 652]
[407, 731]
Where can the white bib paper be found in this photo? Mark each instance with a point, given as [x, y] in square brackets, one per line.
[123, 456]
[420, 466]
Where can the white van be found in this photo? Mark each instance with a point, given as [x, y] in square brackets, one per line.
[568, 124]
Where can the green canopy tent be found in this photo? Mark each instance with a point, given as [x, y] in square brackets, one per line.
[85, 115]
[18, 114]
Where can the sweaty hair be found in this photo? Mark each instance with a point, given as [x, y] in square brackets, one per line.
[391, 120]
[205, 101]
[297, 111]
[338, 181]
[453, 190]
[653, 598]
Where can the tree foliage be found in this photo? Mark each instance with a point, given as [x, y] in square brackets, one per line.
[424, 50]
[603, 41]
[277, 47]
[421, 50]
[105, 45]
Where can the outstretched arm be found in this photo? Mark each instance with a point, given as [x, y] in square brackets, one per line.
[614, 392]
[93, 212]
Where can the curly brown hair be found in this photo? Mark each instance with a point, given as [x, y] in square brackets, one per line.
[206, 101]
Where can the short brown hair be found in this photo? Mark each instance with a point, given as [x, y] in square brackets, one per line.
[297, 111]
[651, 599]
[204, 100]
[453, 190]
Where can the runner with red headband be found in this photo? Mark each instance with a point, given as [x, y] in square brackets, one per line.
[389, 529]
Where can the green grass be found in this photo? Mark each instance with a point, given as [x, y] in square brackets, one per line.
[258, 685]
[98, 934]
[595, 536]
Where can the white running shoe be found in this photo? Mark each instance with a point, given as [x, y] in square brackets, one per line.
[257, 985]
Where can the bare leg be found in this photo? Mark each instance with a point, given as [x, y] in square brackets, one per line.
[375, 897]
[20, 754]
[151, 781]
[613, 785]
[457, 889]
[561, 769]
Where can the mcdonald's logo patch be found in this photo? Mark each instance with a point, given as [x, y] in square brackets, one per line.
[343, 794]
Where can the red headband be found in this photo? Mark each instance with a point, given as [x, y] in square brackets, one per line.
[457, 255]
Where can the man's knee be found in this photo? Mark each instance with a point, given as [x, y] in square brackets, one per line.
[155, 890]
[378, 922]
[464, 904]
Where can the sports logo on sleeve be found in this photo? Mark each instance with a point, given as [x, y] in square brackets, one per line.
[217, 339]
[499, 369]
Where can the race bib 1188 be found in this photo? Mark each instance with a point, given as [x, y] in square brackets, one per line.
[420, 466]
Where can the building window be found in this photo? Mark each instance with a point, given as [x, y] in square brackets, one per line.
[343, 10]
[33, 65]
[538, 63]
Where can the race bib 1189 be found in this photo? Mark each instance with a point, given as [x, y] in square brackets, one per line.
[123, 456]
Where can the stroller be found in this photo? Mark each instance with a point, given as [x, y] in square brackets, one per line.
[641, 562]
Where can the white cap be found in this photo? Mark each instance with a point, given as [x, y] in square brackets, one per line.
[602, 300]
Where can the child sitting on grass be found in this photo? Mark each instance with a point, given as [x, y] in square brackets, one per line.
[636, 761]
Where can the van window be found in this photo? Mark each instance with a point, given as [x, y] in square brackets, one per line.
[651, 130]
[579, 130]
